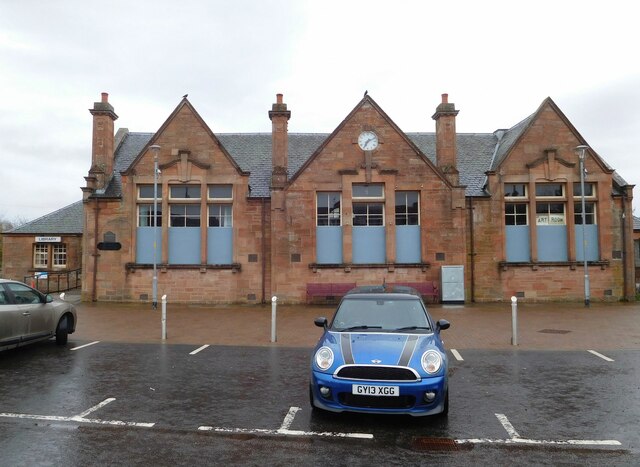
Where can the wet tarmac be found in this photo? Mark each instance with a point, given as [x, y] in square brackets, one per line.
[116, 403]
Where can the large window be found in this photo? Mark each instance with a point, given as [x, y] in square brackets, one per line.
[41, 255]
[369, 236]
[515, 190]
[184, 192]
[145, 215]
[515, 214]
[45, 254]
[220, 215]
[407, 208]
[550, 214]
[185, 215]
[146, 191]
[328, 209]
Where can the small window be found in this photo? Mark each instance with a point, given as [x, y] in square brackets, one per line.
[41, 255]
[146, 191]
[220, 191]
[549, 190]
[185, 215]
[589, 190]
[370, 191]
[407, 208]
[589, 213]
[59, 255]
[185, 191]
[550, 214]
[515, 214]
[515, 190]
[220, 215]
[145, 215]
[328, 209]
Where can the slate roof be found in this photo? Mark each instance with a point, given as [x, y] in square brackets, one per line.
[68, 220]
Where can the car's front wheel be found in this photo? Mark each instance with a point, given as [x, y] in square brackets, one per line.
[62, 331]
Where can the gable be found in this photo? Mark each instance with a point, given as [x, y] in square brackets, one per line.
[340, 152]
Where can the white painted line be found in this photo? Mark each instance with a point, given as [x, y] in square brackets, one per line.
[74, 419]
[457, 355]
[199, 349]
[96, 407]
[79, 418]
[85, 345]
[288, 420]
[601, 356]
[511, 431]
[568, 442]
[285, 432]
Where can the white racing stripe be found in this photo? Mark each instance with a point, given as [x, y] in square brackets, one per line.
[199, 349]
[601, 356]
[85, 345]
[457, 355]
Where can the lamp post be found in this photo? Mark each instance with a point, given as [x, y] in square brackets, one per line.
[155, 148]
[582, 153]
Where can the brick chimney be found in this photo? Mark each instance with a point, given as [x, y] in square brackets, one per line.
[279, 116]
[446, 149]
[102, 142]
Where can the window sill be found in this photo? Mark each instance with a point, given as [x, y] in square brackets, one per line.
[504, 265]
[132, 267]
[349, 266]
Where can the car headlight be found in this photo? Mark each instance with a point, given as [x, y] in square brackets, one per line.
[431, 361]
[324, 358]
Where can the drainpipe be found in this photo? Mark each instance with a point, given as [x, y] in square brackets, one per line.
[624, 247]
[95, 254]
[473, 251]
[264, 249]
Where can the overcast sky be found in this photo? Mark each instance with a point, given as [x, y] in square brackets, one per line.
[497, 60]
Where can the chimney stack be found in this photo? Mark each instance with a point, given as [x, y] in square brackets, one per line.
[446, 148]
[102, 145]
[279, 116]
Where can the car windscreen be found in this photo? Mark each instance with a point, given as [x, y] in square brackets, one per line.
[380, 314]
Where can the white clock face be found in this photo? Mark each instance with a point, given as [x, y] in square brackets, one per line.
[368, 140]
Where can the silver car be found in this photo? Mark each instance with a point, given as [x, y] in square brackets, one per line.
[27, 315]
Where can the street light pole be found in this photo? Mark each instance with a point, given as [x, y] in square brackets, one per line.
[155, 148]
[582, 152]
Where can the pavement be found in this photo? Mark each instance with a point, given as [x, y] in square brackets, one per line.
[548, 326]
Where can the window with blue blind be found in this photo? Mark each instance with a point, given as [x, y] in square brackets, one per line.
[184, 224]
[407, 227]
[369, 236]
[328, 228]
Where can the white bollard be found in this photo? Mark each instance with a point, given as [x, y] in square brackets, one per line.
[164, 317]
[514, 320]
[274, 302]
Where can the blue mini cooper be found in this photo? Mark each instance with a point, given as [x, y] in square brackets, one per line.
[381, 353]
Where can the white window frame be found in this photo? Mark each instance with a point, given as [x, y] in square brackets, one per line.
[139, 191]
[406, 204]
[516, 215]
[523, 197]
[220, 215]
[150, 215]
[38, 255]
[59, 255]
[330, 215]
[226, 199]
[171, 197]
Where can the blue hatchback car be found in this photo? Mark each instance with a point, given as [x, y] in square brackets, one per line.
[381, 353]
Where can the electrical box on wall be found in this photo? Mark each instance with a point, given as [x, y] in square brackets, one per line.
[452, 286]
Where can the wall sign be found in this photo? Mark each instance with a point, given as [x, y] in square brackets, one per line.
[48, 239]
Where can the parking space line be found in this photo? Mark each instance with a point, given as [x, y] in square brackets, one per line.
[597, 354]
[199, 349]
[96, 407]
[85, 345]
[511, 431]
[288, 420]
[284, 429]
[457, 355]
[285, 432]
[79, 418]
[514, 438]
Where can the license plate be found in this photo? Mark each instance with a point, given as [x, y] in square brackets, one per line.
[366, 390]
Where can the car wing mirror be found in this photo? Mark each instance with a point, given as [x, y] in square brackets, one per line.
[442, 324]
[48, 298]
[321, 322]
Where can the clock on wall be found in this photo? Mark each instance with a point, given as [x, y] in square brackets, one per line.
[368, 141]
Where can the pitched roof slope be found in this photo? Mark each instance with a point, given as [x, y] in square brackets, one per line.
[68, 220]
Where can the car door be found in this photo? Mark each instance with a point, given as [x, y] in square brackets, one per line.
[13, 324]
[31, 305]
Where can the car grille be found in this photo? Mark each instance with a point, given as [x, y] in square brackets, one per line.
[376, 373]
[374, 402]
